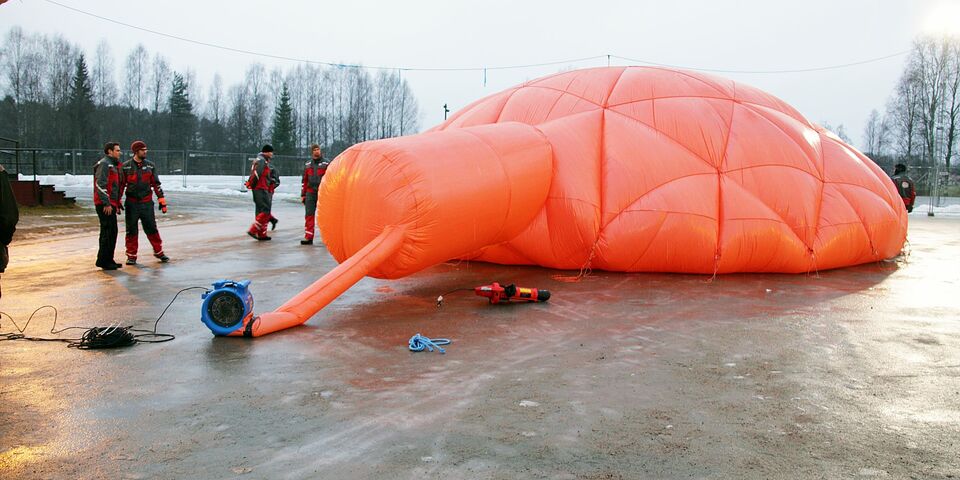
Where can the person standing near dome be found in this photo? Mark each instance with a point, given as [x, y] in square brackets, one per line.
[140, 182]
[905, 186]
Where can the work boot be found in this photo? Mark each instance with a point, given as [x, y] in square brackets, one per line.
[162, 257]
[264, 238]
[131, 261]
[273, 224]
[254, 235]
[108, 265]
[307, 241]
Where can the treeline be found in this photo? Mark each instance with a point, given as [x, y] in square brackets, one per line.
[920, 124]
[54, 95]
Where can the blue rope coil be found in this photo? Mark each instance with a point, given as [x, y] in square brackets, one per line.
[419, 343]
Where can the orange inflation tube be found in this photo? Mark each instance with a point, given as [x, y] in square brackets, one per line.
[630, 169]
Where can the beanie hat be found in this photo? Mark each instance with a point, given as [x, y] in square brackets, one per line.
[266, 148]
[135, 146]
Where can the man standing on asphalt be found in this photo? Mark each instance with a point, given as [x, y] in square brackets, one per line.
[140, 182]
[259, 183]
[106, 199]
[312, 174]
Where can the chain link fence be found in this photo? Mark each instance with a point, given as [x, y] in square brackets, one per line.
[938, 187]
[170, 163]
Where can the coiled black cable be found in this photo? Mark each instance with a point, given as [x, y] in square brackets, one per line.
[113, 336]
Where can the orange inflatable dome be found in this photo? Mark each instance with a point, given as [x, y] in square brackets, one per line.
[625, 169]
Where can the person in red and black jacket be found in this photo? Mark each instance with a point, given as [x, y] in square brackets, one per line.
[140, 182]
[272, 185]
[313, 172]
[261, 184]
[106, 199]
[905, 186]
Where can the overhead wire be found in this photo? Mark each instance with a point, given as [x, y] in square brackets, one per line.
[469, 69]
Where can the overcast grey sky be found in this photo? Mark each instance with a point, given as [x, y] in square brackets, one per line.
[707, 34]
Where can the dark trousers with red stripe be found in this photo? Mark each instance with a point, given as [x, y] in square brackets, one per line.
[141, 212]
[262, 202]
[310, 204]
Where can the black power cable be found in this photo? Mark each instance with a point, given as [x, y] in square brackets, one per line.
[440, 298]
[96, 337]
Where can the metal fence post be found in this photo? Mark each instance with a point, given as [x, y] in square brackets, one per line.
[184, 153]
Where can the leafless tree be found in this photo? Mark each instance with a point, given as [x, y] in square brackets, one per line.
[15, 57]
[876, 135]
[257, 101]
[215, 106]
[903, 112]
[930, 60]
[104, 85]
[194, 89]
[839, 130]
[159, 87]
[237, 121]
[60, 62]
[952, 99]
[135, 78]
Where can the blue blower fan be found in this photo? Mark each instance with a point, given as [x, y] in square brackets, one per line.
[228, 307]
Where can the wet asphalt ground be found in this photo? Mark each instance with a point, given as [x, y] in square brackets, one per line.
[849, 373]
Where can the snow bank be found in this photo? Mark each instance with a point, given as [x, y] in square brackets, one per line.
[225, 185]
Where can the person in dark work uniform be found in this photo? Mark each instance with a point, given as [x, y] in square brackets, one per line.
[106, 199]
[140, 182]
[313, 172]
[260, 183]
[905, 186]
[9, 216]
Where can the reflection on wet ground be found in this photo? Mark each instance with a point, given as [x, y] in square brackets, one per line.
[839, 374]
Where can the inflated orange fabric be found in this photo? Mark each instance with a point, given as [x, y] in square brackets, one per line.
[621, 168]
[653, 169]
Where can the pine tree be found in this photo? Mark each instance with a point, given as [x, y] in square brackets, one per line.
[182, 120]
[80, 107]
[281, 135]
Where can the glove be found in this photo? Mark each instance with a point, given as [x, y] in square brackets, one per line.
[163, 204]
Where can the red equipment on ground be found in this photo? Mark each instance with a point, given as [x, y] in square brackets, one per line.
[497, 293]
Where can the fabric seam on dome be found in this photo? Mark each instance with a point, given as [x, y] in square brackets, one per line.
[869, 190]
[543, 79]
[668, 137]
[581, 97]
[500, 163]
[613, 87]
[516, 251]
[650, 243]
[757, 110]
[557, 100]
[792, 167]
[722, 163]
[604, 226]
[688, 75]
[784, 221]
[890, 199]
[866, 231]
[504, 106]
[705, 97]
